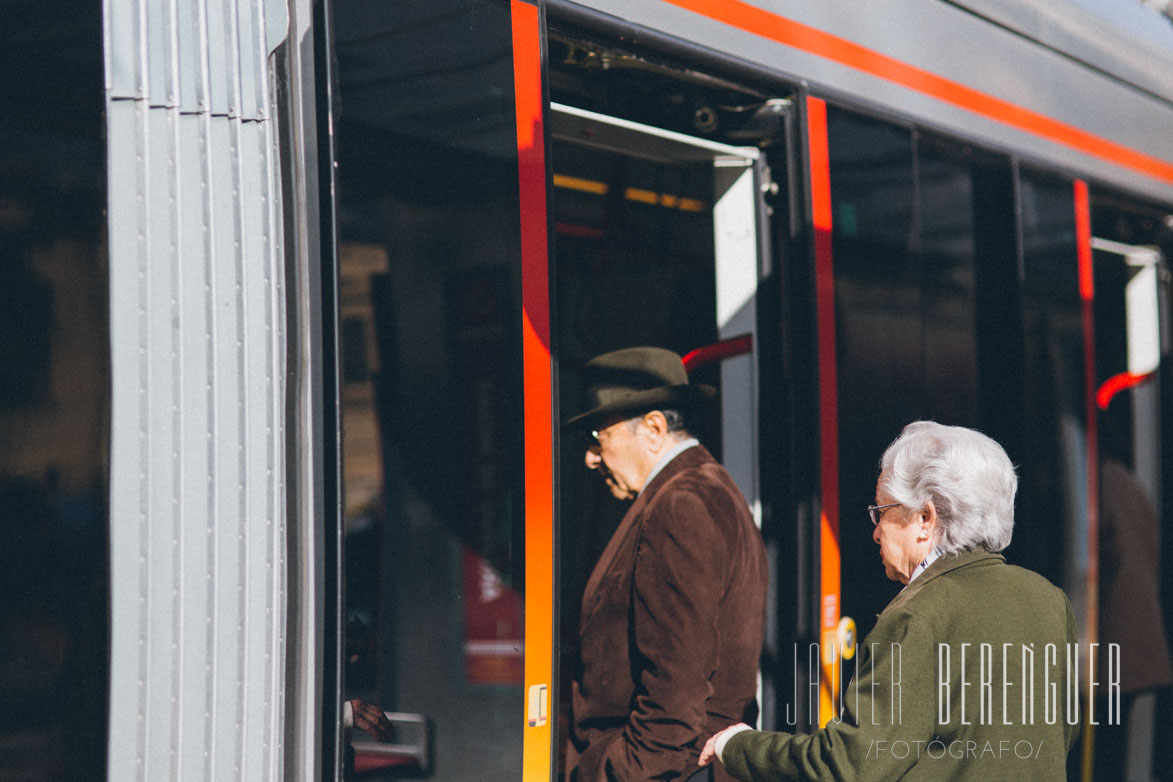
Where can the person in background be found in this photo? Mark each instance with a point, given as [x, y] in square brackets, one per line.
[673, 614]
[944, 508]
[367, 717]
[1130, 613]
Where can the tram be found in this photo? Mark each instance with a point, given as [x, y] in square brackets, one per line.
[298, 293]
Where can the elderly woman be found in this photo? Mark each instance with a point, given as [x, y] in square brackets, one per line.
[964, 676]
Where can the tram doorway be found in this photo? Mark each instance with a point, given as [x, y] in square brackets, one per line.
[658, 242]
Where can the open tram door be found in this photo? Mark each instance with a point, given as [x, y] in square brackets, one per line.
[1132, 610]
[439, 568]
[659, 241]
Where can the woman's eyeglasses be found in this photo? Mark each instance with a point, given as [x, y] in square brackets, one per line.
[875, 517]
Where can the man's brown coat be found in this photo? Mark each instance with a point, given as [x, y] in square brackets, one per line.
[671, 628]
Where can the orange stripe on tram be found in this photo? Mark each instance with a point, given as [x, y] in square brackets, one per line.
[538, 394]
[1089, 629]
[829, 555]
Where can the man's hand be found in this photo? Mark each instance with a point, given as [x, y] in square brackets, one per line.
[370, 718]
[710, 750]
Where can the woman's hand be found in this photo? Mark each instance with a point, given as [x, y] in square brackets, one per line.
[710, 750]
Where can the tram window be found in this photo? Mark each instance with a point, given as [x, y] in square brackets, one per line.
[946, 174]
[1052, 498]
[432, 401]
[916, 220]
[877, 323]
[54, 399]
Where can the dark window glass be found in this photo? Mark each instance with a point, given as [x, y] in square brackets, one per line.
[54, 405]
[915, 219]
[998, 300]
[1051, 522]
[945, 184]
[429, 287]
[877, 288]
[879, 328]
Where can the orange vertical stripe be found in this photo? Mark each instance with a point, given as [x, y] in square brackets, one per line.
[1083, 239]
[538, 393]
[829, 580]
[812, 40]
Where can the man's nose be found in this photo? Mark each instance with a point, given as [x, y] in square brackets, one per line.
[592, 458]
[876, 533]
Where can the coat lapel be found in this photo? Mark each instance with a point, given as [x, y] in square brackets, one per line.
[590, 598]
[629, 526]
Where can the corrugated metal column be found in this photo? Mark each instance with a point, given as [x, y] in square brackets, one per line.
[197, 510]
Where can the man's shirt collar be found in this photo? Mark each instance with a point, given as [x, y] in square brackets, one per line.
[671, 454]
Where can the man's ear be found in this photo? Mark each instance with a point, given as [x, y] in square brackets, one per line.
[656, 423]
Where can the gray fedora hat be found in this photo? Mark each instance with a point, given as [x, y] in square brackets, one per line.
[637, 379]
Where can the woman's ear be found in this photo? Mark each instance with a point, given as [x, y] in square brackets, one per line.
[928, 521]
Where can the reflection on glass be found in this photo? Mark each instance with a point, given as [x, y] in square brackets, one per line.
[54, 407]
[429, 289]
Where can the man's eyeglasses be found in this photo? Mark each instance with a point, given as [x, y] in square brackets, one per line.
[875, 517]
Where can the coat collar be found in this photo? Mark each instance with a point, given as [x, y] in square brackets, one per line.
[946, 563]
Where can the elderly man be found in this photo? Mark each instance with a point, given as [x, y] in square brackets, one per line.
[965, 675]
[673, 613]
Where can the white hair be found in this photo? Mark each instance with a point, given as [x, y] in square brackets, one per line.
[967, 476]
